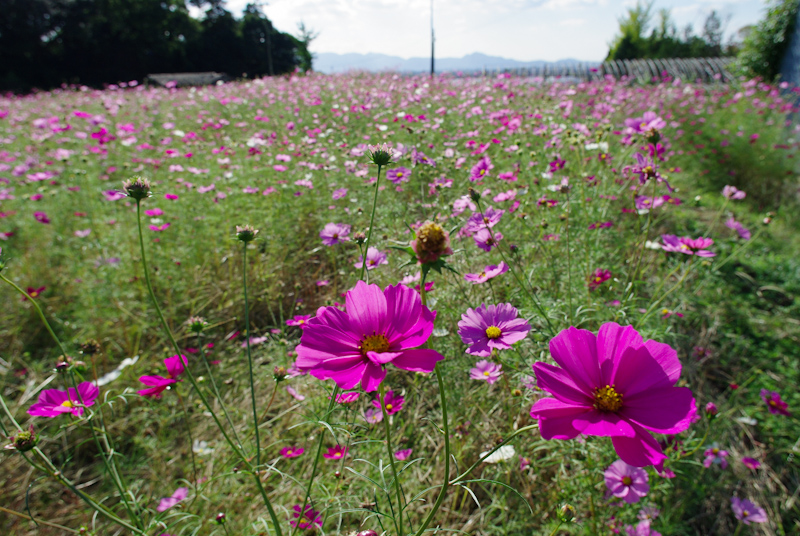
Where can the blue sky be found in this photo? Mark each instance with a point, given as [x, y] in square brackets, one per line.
[518, 29]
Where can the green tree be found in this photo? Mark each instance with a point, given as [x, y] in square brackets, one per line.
[763, 49]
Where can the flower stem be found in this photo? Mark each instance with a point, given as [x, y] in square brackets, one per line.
[194, 383]
[556, 529]
[446, 482]
[399, 520]
[250, 357]
[371, 224]
[38, 310]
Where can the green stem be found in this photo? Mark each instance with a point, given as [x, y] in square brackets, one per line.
[569, 264]
[556, 529]
[41, 314]
[635, 273]
[194, 383]
[457, 479]
[399, 520]
[371, 225]
[667, 293]
[216, 389]
[250, 357]
[443, 490]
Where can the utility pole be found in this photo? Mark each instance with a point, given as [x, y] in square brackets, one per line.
[432, 40]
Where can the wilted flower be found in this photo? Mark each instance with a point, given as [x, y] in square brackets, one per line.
[431, 242]
[23, 441]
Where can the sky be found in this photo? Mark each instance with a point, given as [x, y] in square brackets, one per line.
[524, 30]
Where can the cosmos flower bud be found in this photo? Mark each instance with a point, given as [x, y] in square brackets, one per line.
[359, 238]
[23, 441]
[90, 347]
[474, 195]
[279, 374]
[246, 233]
[566, 513]
[380, 155]
[137, 188]
[711, 410]
[367, 533]
[197, 324]
[220, 519]
[653, 136]
[62, 365]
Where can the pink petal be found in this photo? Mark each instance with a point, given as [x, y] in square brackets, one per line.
[419, 360]
[382, 358]
[612, 341]
[667, 410]
[598, 423]
[366, 309]
[639, 451]
[559, 384]
[575, 350]
[373, 376]
[555, 418]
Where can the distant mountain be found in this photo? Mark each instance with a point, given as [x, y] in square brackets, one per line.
[329, 62]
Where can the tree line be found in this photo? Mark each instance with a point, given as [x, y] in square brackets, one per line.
[46, 43]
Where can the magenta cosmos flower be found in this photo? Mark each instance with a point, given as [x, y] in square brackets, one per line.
[490, 272]
[309, 519]
[292, 452]
[491, 327]
[626, 482]
[335, 453]
[374, 258]
[616, 385]
[774, 403]
[334, 233]
[378, 328]
[175, 367]
[486, 239]
[481, 170]
[599, 277]
[168, 502]
[715, 456]
[298, 321]
[398, 175]
[751, 463]
[393, 403]
[402, 455]
[648, 122]
[689, 246]
[732, 192]
[54, 402]
[747, 512]
[486, 371]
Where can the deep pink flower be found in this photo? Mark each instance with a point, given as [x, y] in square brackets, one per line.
[175, 367]
[751, 463]
[491, 327]
[486, 371]
[689, 246]
[154, 212]
[481, 170]
[168, 502]
[378, 328]
[114, 195]
[41, 217]
[335, 453]
[54, 402]
[33, 292]
[715, 456]
[402, 455]
[393, 403]
[305, 520]
[159, 228]
[488, 273]
[335, 233]
[616, 385]
[375, 257]
[292, 452]
[626, 482]
[599, 277]
[347, 398]
[298, 321]
[641, 529]
[747, 512]
[774, 403]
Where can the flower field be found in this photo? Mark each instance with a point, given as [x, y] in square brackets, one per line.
[384, 304]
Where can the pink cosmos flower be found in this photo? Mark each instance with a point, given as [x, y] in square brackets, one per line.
[398, 175]
[491, 327]
[168, 502]
[114, 195]
[154, 212]
[715, 456]
[171, 197]
[54, 402]
[689, 246]
[740, 229]
[378, 328]
[627, 482]
[298, 321]
[481, 170]
[751, 463]
[393, 403]
[339, 193]
[83, 233]
[643, 202]
[175, 367]
[403, 455]
[616, 385]
[731, 192]
[648, 122]
[373, 416]
[375, 257]
[482, 220]
[774, 403]
[486, 371]
[309, 519]
[294, 394]
[486, 239]
[160, 228]
[292, 452]
[599, 277]
[33, 292]
[41, 217]
[335, 453]
[347, 398]
[641, 529]
[490, 272]
[335, 233]
[747, 512]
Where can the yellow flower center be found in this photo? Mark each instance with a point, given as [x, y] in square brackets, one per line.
[482, 275]
[493, 332]
[399, 174]
[374, 343]
[338, 455]
[773, 403]
[388, 407]
[715, 451]
[745, 513]
[664, 311]
[627, 480]
[483, 172]
[607, 399]
[598, 279]
[67, 404]
[648, 170]
[487, 373]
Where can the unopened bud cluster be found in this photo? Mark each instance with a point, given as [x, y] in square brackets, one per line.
[196, 324]
[137, 188]
[380, 155]
[246, 233]
[23, 441]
